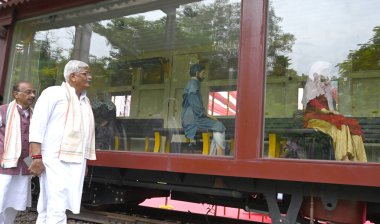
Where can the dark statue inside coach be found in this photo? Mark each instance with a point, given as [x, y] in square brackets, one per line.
[109, 133]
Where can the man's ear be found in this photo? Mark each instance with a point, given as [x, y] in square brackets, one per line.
[15, 94]
[72, 77]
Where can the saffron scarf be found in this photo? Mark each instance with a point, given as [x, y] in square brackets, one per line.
[71, 147]
[12, 138]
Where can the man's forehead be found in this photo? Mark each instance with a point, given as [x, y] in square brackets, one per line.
[26, 85]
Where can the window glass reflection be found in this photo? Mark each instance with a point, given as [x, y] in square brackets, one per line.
[322, 99]
[140, 54]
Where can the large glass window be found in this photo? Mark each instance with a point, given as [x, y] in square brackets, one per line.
[322, 80]
[140, 55]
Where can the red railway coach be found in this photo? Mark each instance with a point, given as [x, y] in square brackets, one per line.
[260, 58]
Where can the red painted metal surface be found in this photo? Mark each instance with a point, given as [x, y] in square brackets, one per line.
[26, 9]
[250, 99]
[5, 47]
[280, 169]
[6, 17]
[10, 3]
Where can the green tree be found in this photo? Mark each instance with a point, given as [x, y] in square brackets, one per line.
[279, 44]
[132, 36]
[197, 28]
[48, 61]
[367, 57]
[213, 29]
[216, 25]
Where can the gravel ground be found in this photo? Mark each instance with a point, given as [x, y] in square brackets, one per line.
[26, 217]
[30, 216]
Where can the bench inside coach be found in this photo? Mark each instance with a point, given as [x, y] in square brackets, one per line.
[160, 135]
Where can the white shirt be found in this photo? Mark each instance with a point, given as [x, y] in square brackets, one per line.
[48, 124]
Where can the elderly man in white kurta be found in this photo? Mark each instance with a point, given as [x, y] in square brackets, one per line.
[63, 133]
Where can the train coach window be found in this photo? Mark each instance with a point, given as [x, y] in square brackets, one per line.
[222, 103]
[123, 105]
[140, 54]
[322, 77]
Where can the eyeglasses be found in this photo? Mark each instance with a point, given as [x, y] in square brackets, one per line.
[27, 91]
[87, 74]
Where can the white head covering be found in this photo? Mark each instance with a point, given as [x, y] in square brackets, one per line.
[314, 87]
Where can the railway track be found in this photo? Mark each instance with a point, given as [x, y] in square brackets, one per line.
[137, 215]
[109, 217]
[97, 217]
[145, 215]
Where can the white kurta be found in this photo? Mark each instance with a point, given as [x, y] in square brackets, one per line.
[61, 183]
[15, 192]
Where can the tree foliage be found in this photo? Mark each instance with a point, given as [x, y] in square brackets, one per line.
[367, 57]
[198, 27]
[279, 44]
[48, 61]
[211, 30]
[215, 27]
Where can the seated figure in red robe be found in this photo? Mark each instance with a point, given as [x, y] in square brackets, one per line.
[321, 115]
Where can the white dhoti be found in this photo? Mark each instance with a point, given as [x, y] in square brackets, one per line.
[218, 142]
[61, 186]
[15, 195]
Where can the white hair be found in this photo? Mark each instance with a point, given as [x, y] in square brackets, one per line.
[73, 66]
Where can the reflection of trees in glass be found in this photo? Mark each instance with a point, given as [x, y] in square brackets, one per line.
[49, 60]
[52, 59]
[198, 27]
[100, 74]
[130, 37]
[17, 70]
[367, 57]
[279, 44]
[215, 27]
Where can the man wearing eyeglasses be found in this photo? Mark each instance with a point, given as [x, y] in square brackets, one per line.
[15, 179]
[62, 138]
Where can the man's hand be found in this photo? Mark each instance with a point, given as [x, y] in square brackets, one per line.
[37, 167]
